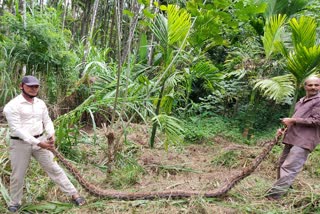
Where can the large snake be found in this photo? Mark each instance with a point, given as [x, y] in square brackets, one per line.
[219, 192]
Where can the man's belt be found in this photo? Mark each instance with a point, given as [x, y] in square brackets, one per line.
[17, 138]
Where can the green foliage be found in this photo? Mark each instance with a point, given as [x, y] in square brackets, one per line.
[49, 207]
[171, 32]
[127, 173]
[283, 7]
[41, 43]
[4, 192]
[226, 100]
[277, 88]
[220, 22]
[200, 129]
[302, 55]
[68, 128]
[260, 118]
[8, 86]
[273, 31]
[313, 166]
[171, 127]
[42, 46]
[227, 159]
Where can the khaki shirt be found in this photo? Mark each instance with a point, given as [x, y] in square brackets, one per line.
[306, 132]
[27, 119]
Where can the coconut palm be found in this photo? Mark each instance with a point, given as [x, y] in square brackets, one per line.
[301, 55]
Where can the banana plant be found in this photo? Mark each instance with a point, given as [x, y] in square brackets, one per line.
[301, 55]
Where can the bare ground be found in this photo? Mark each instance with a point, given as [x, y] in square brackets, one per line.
[187, 167]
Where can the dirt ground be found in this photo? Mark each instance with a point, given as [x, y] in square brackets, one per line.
[188, 167]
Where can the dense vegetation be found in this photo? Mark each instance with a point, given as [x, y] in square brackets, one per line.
[187, 71]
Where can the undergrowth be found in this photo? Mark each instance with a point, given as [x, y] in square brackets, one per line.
[126, 173]
[202, 129]
[227, 159]
[43, 196]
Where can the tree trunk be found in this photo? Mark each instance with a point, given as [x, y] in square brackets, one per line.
[1, 7]
[65, 12]
[119, 9]
[155, 125]
[110, 43]
[295, 98]
[75, 26]
[24, 17]
[84, 22]
[90, 33]
[105, 24]
[150, 47]
[136, 10]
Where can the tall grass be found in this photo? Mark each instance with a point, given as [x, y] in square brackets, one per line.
[9, 78]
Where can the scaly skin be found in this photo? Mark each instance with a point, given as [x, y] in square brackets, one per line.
[221, 191]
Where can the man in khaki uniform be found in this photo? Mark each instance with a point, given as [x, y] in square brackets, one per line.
[32, 134]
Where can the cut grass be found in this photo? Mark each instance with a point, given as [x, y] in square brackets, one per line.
[187, 168]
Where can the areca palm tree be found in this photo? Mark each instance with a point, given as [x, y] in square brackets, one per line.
[301, 55]
[171, 32]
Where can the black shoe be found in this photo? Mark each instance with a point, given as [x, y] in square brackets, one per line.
[13, 208]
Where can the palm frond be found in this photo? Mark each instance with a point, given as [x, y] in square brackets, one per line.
[160, 29]
[167, 102]
[274, 7]
[173, 29]
[277, 88]
[278, 45]
[283, 7]
[207, 71]
[173, 80]
[179, 23]
[304, 62]
[273, 29]
[294, 6]
[171, 126]
[303, 31]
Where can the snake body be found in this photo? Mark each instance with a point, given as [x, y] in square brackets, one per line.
[172, 194]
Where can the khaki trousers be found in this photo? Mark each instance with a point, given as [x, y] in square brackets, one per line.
[20, 155]
[291, 163]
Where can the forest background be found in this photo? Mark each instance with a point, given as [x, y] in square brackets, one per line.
[174, 74]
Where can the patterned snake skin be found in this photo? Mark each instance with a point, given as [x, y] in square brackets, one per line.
[221, 191]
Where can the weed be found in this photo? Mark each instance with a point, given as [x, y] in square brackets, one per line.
[312, 165]
[227, 159]
[127, 172]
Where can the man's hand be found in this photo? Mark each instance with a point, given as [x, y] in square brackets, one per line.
[52, 139]
[288, 121]
[280, 132]
[46, 145]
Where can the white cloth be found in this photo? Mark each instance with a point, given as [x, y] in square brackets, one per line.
[28, 119]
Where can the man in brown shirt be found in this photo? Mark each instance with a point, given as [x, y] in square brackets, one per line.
[301, 137]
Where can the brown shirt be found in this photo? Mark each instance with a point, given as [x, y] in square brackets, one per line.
[306, 132]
